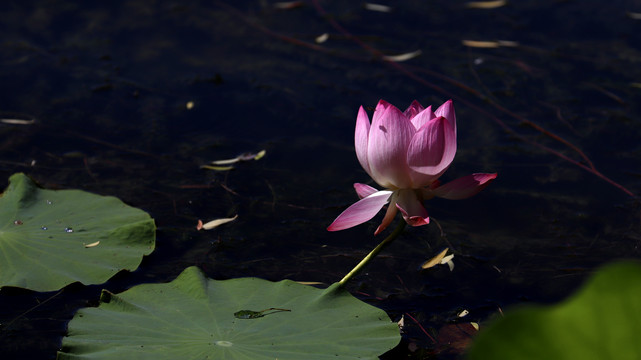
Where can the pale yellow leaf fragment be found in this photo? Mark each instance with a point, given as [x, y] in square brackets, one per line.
[435, 260]
[475, 325]
[485, 4]
[260, 154]
[310, 282]
[216, 168]
[402, 57]
[322, 38]
[216, 223]
[93, 244]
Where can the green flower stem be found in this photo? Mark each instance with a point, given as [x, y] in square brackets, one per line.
[373, 253]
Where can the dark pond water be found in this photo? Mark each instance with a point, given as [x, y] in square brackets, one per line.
[108, 85]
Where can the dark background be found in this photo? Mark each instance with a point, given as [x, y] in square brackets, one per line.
[108, 83]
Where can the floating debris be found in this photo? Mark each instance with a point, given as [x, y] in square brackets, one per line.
[322, 38]
[216, 165]
[216, 168]
[377, 7]
[286, 5]
[441, 258]
[17, 121]
[214, 223]
[189, 105]
[93, 244]
[435, 260]
[490, 44]
[485, 4]
[635, 16]
[250, 314]
[403, 57]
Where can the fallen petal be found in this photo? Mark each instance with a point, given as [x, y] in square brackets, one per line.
[226, 161]
[216, 223]
[322, 38]
[402, 57]
[377, 7]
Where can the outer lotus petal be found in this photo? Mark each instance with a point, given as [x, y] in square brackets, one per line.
[364, 190]
[361, 211]
[411, 207]
[423, 118]
[390, 214]
[431, 151]
[464, 187]
[360, 139]
[381, 107]
[447, 111]
[389, 138]
[414, 108]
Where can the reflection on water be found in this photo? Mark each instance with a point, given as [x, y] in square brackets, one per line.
[131, 98]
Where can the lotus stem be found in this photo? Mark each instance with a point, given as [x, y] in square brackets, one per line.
[373, 253]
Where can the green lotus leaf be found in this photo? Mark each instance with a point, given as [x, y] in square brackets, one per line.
[49, 239]
[601, 321]
[194, 317]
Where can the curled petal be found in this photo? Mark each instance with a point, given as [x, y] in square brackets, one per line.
[360, 211]
[464, 187]
[360, 138]
[414, 108]
[423, 118]
[389, 138]
[431, 151]
[412, 208]
[447, 111]
[364, 190]
[389, 214]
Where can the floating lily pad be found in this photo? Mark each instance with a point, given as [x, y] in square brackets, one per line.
[194, 317]
[49, 239]
[601, 321]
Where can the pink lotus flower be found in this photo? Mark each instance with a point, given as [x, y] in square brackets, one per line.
[406, 153]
